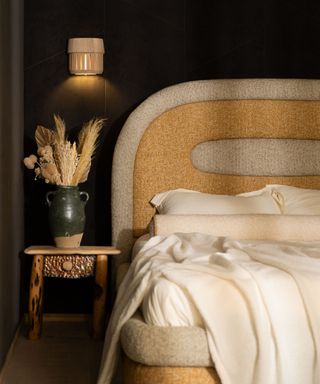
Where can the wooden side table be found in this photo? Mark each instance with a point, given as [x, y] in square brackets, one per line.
[68, 263]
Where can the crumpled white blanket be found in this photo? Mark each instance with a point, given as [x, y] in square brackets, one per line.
[259, 303]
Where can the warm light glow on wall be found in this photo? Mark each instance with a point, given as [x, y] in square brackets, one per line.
[85, 56]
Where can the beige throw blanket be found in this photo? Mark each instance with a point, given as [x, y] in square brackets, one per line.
[259, 302]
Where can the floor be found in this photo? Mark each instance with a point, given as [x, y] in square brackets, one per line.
[65, 354]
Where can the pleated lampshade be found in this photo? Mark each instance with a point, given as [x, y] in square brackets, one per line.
[85, 56]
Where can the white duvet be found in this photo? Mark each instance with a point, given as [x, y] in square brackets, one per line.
[258, 302]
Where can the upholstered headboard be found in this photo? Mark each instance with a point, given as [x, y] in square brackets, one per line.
[218, 136]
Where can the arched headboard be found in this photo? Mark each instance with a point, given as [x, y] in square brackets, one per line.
[179, 138]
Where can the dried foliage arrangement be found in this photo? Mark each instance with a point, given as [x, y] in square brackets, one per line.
[59, 161]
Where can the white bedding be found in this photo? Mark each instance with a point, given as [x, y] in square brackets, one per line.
[166, 304]
[258, 302]
[139, 244]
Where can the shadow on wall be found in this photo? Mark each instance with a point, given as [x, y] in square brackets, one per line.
[77, 94]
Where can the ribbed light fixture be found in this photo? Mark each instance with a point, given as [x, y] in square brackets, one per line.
[85, 56]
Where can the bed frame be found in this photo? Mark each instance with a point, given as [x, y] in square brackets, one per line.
[216, 136]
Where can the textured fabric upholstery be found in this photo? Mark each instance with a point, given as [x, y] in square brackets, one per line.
[165, 346]
[242, 227]
[135, 373]
[194, 92]
[263, 157]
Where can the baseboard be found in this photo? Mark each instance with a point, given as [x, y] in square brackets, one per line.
[63, 317]
[10, 353]
[66, 316]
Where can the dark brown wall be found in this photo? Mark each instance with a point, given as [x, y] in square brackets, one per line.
[149, 44]
[11, 149]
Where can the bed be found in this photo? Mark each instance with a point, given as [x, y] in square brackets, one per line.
[223, 137]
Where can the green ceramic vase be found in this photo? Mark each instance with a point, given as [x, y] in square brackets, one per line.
[67, 215]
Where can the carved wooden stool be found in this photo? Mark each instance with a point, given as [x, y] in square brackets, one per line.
[69, 263]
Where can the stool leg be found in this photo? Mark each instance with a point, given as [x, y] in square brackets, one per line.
[36, 298]
[100, 296]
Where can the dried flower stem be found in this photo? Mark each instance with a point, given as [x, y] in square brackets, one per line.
[60, 131]
[87, 144]
[60, 161]
[66, 157]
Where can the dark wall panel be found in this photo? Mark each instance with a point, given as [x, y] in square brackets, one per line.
[291, 39]
[149, 45]
[11, 188]
[48, 23]
[149, 48]
[224, 39]
[49, 89]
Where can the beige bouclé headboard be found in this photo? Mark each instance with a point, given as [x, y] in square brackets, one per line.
[155, 149]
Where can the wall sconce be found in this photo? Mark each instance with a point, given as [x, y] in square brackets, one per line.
[85, 56]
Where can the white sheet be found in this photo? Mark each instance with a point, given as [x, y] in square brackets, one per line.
[139, 244]
[258, 302]
[166, 304]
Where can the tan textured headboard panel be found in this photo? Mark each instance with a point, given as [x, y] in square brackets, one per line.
[243, 108]
[163, 159]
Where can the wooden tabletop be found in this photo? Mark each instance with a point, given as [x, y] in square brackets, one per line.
[83, 250]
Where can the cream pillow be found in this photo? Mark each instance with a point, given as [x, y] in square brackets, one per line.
[276, 195]
[188, 202]
[254, 193]
[298, 201]
[242, 227]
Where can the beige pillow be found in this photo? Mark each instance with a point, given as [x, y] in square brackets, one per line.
[186, 202]
[242, 227]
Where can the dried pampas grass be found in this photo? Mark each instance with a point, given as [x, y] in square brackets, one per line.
[44, 136]
[66, 159]
[86, 146]
[60, 131]
[61, 162]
